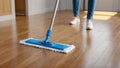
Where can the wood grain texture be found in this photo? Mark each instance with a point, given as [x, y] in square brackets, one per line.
[99, 48]
[5, 7]
[20, 6]
[1, 7]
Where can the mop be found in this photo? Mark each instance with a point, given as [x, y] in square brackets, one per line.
[46, 44]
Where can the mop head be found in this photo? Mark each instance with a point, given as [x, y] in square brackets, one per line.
[65, 48]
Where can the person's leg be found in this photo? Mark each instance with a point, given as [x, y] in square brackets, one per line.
[76, 12]
[91, 8]
[76, 8]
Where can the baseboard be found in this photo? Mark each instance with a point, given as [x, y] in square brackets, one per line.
[7, 17]
[34, 12]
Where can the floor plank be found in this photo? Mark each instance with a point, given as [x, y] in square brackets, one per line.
[99, 48]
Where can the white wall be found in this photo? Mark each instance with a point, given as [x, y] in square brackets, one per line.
[39, 6]
[42, 6]
[106, 5]
[12, 16]
[116, 5]
[69, 4]
[63, 5]
[119, 5]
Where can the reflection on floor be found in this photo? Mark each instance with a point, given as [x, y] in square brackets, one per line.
[99, 48]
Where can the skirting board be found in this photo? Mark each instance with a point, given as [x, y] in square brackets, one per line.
[7, 17]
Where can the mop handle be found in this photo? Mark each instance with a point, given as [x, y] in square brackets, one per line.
[54, 14]
[49, 32]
